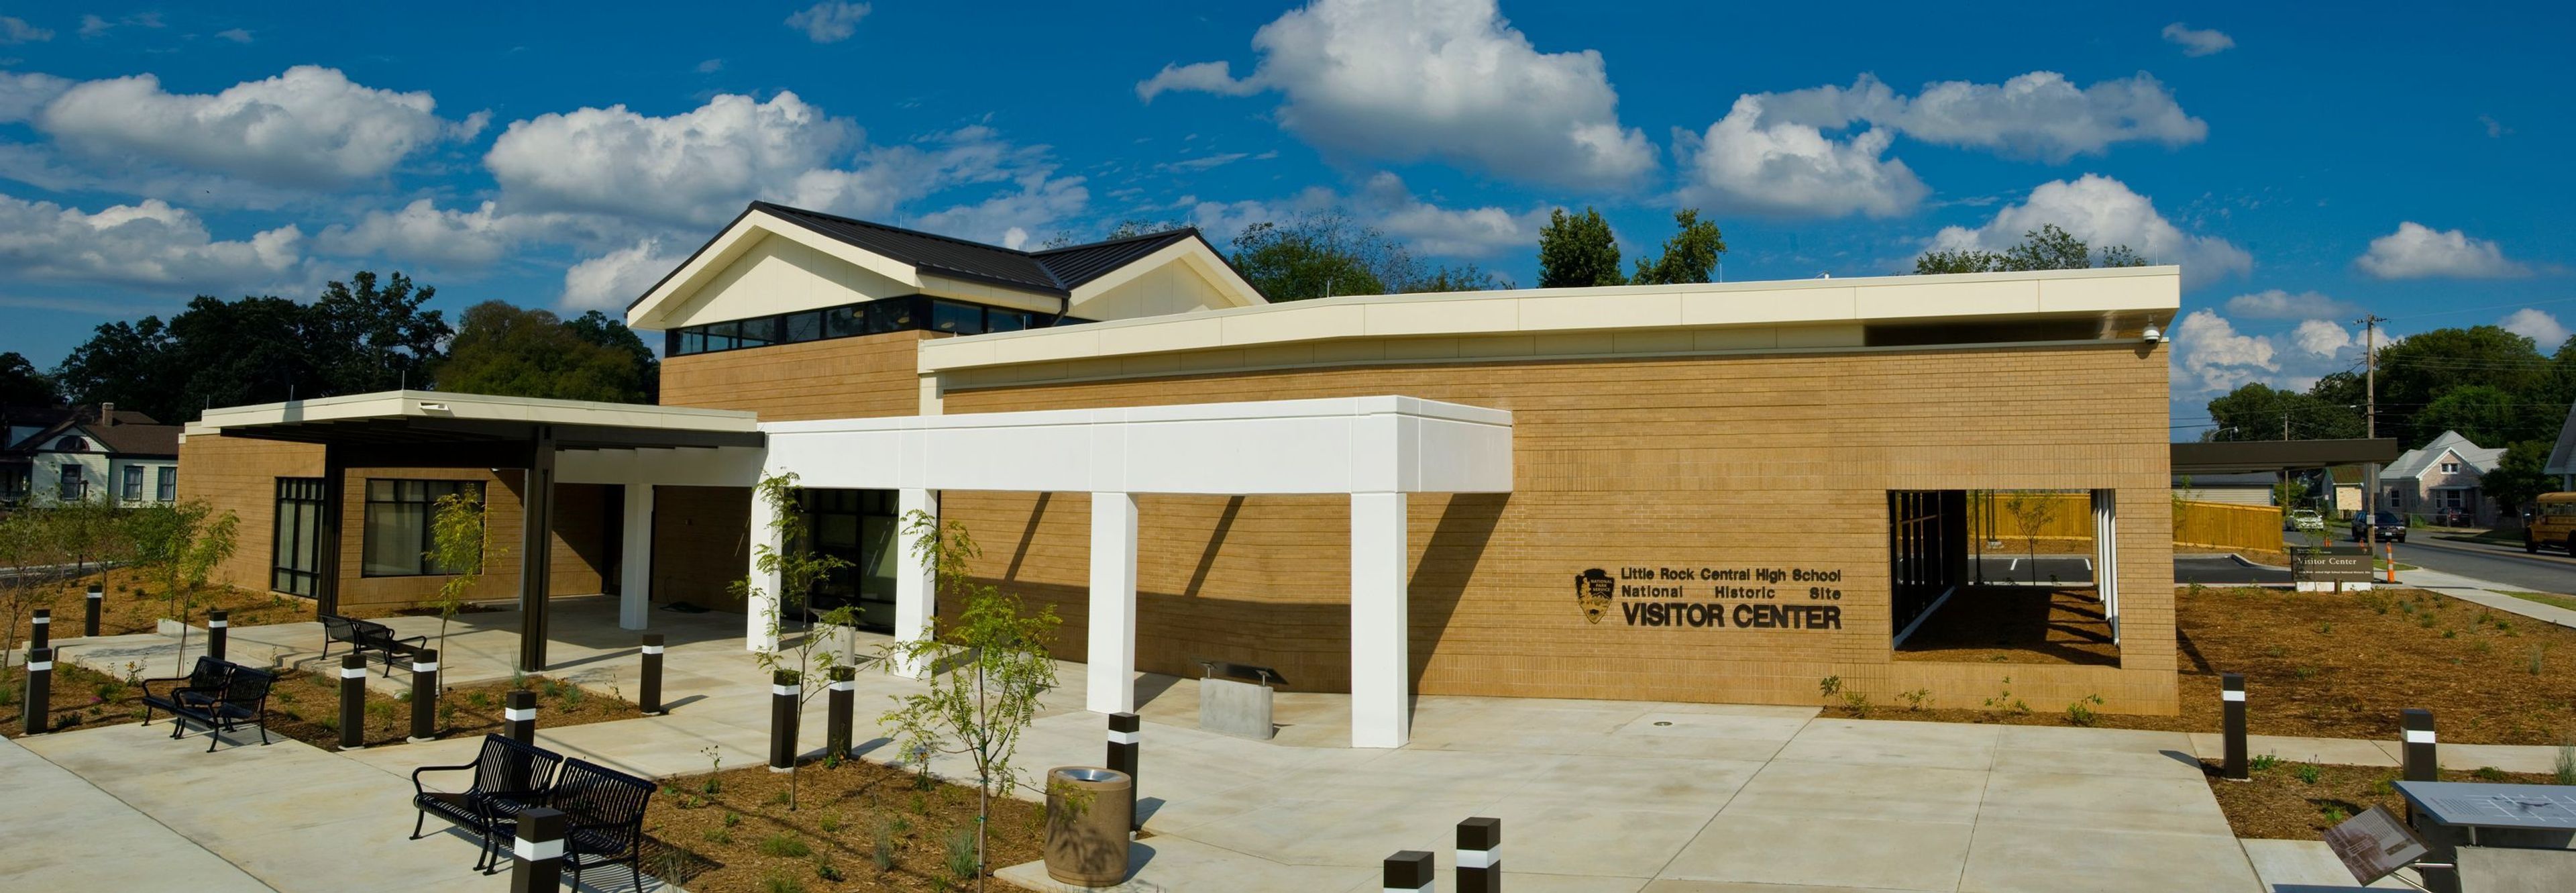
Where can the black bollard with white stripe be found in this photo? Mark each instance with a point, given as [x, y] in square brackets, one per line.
[537, 853]
[2231, 696]
[218, 633]
[424, 695]
[649, 694]
[353, 701]
[1126, 734]
[1480, 856]
[97, 600]
[783, 694]
[42, 635]
[2420, 762]
[837, 713]
[1409, 871]
[40, 690]
[519, 716]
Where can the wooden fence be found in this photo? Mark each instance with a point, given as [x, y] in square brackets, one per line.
[2220, 525]
[2067, 518]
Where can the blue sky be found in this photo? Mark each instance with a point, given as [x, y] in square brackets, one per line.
[2304, 168]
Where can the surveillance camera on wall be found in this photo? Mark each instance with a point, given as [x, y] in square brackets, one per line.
[2153, 335]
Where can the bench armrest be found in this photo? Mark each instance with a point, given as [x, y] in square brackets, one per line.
[416, 787]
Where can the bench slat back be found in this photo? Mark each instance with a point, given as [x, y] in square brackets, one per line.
[602, 800]
[245, 688]
[209, 674]
[507, 766]
[337, 627]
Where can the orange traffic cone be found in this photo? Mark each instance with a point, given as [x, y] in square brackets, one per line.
[2392, 561]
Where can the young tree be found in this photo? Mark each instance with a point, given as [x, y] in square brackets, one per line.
[1689, 256]
[2032, 511]
[176, 545]
[798, 568]
[24, 543]
[1576, 250]
[986, 671]
[459, 544]
[2518, 478]
[85, 530]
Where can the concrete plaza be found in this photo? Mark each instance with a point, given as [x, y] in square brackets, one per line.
[1594, 795]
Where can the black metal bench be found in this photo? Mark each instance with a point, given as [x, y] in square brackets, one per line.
[363, 636]
[242, 697]
[203, 684]
[603, 818]
[509, 777]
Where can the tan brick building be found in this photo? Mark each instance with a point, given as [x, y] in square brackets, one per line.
[1710, 492]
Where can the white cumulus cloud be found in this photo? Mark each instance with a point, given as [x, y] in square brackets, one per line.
[1431, 229]
[2321, 337]
[610, 281]
[16, 30]
[2278, 304]
[1788, 168]
[308, 127]
[829, 21]
[2215, 356]
[421, 232]
[2416, 251]
[2103, 212]
[1450, 79]
[2536, 325]
[21, 94]
[147, 244]
[2198, 42]
[2040, 114]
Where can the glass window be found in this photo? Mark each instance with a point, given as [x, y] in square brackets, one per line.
[166, 487]
[843, 322]
[807, 326]
[70, 445]
[760, 332]
[998, 320]
[71, 486]
[131, 489]
[295, 561]
[720, 335]
[889, 315]
[950, 316]
[397, 534]
[692, 340]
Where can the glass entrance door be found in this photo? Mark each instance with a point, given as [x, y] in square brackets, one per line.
[857, 527]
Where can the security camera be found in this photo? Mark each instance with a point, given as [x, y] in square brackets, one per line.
[2152, 335]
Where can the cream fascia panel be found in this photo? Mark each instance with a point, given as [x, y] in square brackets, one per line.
[776, 275]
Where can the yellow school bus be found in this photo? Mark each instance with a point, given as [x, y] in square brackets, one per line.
[2553, 523]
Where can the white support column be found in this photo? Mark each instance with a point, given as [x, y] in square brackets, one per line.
[915, 587]
[1381, 664]
[761, 615]
[2106, 556]
[635, 560]
[1113, 603]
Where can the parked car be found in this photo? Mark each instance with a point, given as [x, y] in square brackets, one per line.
[2391, 526]
[2307, 519]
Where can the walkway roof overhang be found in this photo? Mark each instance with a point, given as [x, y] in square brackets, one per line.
[463, 421]
[2238, 457]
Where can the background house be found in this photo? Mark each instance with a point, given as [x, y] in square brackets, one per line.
[64, 454]
[2442, 476]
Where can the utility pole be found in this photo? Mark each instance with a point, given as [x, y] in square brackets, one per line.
[2370, 428]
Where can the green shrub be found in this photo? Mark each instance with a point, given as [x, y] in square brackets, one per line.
[2487, 773]
[784, 847]
[961, 852]
[2081, 712]
[776, 882]
[2307, 773]
[2264, 762]
[883, 852]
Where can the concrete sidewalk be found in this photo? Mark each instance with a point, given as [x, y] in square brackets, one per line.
[2487, 594]
[66, 834]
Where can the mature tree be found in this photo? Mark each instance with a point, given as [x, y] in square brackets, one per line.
[2257, 411]
[513, 351]
[2420, 369]
[2486, 415]
[352, 339]
[1689, 256]
[2045, 248]
[606, 331]
[22, 385]
[1320, 255]
[1576, 250]
[2518, 478]
[1463, 277]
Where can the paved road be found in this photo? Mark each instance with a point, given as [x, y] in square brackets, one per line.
[2508, 565]
[2003, 568]
[2225, 570]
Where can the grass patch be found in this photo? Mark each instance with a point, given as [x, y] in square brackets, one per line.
[2551, 599]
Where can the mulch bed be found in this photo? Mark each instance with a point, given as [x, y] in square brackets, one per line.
[2031, 625]
[305, 706]
[2340, 665]
[858, 826]
[133, 604]
[2299, 801]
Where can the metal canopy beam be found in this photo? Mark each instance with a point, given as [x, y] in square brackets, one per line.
[536, 548]
[2236, 457]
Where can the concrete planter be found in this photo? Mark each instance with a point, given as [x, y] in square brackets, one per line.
[1087, 815]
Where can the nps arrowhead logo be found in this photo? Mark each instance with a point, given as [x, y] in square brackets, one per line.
[1592, 591]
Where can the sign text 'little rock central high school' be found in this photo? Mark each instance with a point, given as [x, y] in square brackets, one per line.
[1715, 597]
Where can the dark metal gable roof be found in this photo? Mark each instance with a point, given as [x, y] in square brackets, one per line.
[1074, 265]
[1056, 271]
